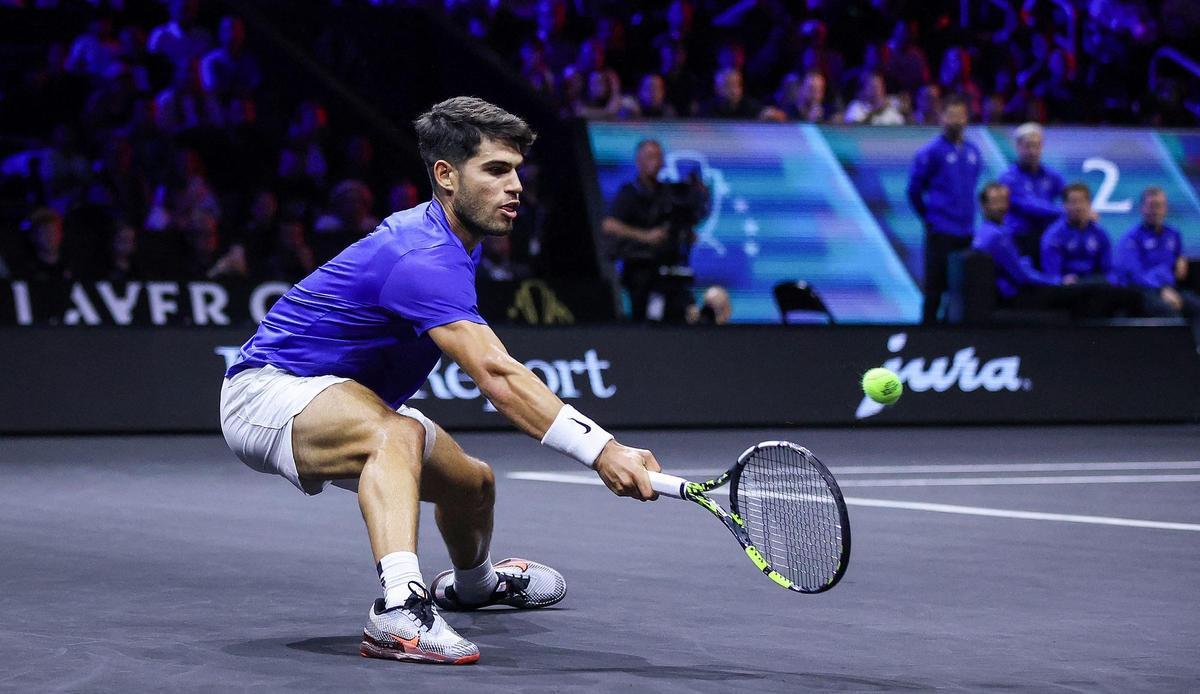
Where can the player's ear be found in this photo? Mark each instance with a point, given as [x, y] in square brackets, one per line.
[445, 175]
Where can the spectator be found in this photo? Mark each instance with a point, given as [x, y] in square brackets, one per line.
[64, 170]
[873, 106]
[956, 77]
[186, 191]
[359, 162]
[180, 40]
[95, 51]
[185, 105]
[403, 194]
[602, 99]
[1057, 90]
[1075, 247]
[803, 99]
[248, 254]
[536, 70]
[230, 70]
[729, 99]
[348, 219]
[496, 259]
[201, 229]
[123, 262]
[1149, 258]
[551, 32]
[818, 56]
[681, 84]
[715, 309]
[111, 104]
[906, 69]
[46, 264]
[994, 109]
[928, 107]
[1035, 189]
[132, 53]
[941, 190]
[294, 259]
[153, 147]
[303, 165]
[652, 99]
[119, 186]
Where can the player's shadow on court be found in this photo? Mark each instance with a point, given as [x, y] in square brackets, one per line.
[503, 645]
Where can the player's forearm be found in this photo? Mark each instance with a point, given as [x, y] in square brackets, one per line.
[521, 397]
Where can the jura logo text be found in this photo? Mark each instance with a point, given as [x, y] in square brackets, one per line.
[963, 371]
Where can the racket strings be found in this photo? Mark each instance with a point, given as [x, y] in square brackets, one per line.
[791, 515]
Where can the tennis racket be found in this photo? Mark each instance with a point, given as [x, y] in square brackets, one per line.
[785, 509]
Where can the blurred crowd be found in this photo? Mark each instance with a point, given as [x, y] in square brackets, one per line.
[142, 138]
[879, 62]
[146, 145]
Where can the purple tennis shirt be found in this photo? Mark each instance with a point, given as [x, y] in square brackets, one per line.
[366, 314]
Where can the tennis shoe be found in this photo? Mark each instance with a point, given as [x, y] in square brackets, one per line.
[523, 584]
[414, 631]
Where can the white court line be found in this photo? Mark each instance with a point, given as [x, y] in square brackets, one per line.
[995, 481]
[986, 467]
[570, 478]
[1027, 515]
[574, 478]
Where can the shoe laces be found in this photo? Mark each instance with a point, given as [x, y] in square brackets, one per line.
[420, 605]
[514, 584]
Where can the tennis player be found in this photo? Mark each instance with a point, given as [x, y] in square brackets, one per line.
[319, 391]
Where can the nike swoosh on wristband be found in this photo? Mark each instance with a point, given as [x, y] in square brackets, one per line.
[586, 428]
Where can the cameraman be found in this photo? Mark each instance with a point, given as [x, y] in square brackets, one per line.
[653, 226]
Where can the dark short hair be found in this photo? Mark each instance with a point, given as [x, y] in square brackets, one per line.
[954, 99]
[989, 187]
[644, 143]
[1152, 190]
[1079, 187]
[452, 130]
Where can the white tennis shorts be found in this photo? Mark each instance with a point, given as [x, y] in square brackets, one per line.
[257, 409]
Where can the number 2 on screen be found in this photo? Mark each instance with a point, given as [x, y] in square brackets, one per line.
[1111, 175]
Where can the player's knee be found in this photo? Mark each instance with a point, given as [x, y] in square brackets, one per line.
[482, 488]
[400, 439]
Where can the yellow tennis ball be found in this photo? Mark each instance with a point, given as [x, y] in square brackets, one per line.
[882, 386]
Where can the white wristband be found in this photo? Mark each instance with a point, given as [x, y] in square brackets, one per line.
[577, 436]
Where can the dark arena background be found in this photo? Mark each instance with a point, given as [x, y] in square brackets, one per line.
[732, 211]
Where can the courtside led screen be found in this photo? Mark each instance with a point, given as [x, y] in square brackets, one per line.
[827, 204]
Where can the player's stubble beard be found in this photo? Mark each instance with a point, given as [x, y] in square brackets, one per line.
[472, 210]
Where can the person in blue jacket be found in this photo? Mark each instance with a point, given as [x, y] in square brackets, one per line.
[941, 190]
[1149, 258]
[1020, 285]
[1014, 271]
[1035, 190]
[1075, 246]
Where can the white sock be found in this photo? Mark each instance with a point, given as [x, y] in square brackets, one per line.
[395, 571]
[476, 585]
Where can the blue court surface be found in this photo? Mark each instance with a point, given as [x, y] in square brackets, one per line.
[1026, 559]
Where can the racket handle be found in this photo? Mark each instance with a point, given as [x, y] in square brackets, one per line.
[667, 485]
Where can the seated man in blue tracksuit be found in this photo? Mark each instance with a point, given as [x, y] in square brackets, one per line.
[1020, 285]
[1035, 190]
[1014, 272]
[1149, 258]
[1075, 246]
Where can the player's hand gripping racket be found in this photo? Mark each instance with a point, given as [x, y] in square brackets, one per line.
[786, 510]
